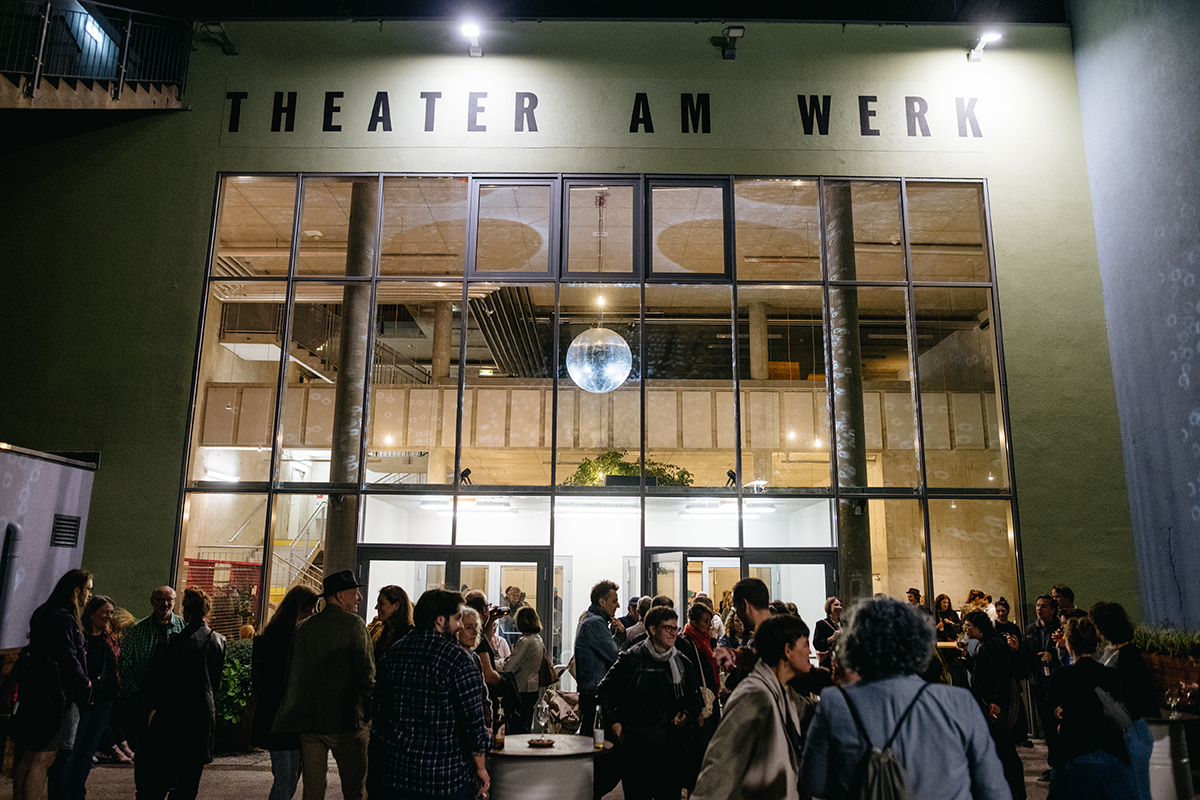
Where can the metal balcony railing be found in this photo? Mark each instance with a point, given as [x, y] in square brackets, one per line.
[92, 42]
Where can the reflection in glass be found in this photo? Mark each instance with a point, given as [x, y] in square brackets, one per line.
[897, 547]
[507, 402]
[593, 427]
[785, 415]
[424, 226]
[514, 229]
[407, 519]
[233, 425]
[337, 229]
[410, 438]
[688, 233]
[600, 229]
[778, 230]
[222, 554]
[959, 379]
[973, 548]
[946, 232]
[254, 232]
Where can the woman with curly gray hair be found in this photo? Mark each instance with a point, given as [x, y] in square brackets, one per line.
[936, 732]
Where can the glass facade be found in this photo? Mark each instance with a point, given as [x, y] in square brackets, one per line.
[542, 382]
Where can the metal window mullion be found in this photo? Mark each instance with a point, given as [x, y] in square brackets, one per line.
[731, 270]
[910, 314]
[554, 344]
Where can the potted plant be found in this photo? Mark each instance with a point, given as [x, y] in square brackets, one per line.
[233, 699]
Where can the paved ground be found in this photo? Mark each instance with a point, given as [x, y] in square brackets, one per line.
[247, 777]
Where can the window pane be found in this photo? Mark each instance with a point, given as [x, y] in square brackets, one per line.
[868, 213]
[514, 229]
[972, 543]
[778, 230]
[876, 440]
[222, 554]
[897, 547]
[330, 326]
[691, 521]
[297, 551]
[689, 230]
[802, 584]
[946, 232]
[234, 420]
[407, 519]
[600, 229]
[338, 227]
[785, 415]
[424, 226]
[254, 232]
[414, 577]
[492, 520]
[787, 522]
[959, 380]
[599, 385]
[507, 403]
[689, 384]
[414, 383]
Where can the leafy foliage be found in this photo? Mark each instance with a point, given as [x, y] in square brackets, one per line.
[1166, 641]
[613, 463]
[234, 694]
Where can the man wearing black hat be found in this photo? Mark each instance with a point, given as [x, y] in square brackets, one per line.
[329, 688]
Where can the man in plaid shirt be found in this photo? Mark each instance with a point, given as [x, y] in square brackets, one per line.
[429, 727]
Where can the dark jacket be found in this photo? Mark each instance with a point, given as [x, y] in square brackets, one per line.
[331, 676]
[1037, 641]
[638, 693]
[1084, 728]
[268, 677]
[992, 672]
[595, 648]
[55, 634]
[179, 688]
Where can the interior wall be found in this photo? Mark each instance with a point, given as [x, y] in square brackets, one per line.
[1138, 74]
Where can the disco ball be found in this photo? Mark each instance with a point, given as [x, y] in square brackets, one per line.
[599, 360]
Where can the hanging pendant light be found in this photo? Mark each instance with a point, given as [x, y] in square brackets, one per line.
[599, 360]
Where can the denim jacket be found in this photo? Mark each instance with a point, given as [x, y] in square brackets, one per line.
[595, 648]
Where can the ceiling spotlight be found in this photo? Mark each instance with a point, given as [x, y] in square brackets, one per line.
[727, 41]
[471, 31]
[976, 53]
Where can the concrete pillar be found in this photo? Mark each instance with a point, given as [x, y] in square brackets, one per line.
[854, 527]
[758, 341]
[438, 466]
[443, 324]
[341, 532]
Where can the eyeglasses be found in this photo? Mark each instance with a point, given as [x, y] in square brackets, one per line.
[671, 628]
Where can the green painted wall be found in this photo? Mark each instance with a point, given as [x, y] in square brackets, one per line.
[104, 254]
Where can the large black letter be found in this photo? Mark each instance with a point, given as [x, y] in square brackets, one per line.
[819, 111]
[526, 103]
[430, 98]
[694, 111]
[966, 113]
[280, 109]
[865, 112]
[235, 109]
[381, 113]
[473, 109]
[641, 114]
[914, 109]
[331, 108]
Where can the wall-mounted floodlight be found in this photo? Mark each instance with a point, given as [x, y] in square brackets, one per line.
[471, 31]
[976, 53]
[727, 41]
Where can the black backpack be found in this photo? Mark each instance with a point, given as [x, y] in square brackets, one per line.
[879, 775]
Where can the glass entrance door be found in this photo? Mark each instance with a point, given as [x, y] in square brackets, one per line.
[668, 576]
[804, 577]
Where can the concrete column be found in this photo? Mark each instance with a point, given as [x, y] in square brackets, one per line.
[341, 532]
[854, 527]
[758, 341]
[443, 324]
[437, 466]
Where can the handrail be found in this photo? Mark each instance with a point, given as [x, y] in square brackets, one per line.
[248, 520]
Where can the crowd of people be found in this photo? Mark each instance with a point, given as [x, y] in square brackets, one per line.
[736, 700]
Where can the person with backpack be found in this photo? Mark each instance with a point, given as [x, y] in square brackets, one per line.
[755, 751]
[891, 734]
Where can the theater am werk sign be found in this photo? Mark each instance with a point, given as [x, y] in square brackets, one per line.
[557, 113]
